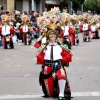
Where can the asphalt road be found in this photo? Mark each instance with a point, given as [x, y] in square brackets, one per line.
[19, 72]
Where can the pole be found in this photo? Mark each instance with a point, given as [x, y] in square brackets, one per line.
[82, 9]
[32, 5]
[69, 7]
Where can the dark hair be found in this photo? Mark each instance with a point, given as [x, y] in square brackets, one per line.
[25, 12]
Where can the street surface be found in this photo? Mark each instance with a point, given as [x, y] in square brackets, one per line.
[19, 72]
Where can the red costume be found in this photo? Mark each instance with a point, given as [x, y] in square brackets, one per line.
[25, 30]
[53, 77]
[72, 35]
[48, 70]
[6, 30]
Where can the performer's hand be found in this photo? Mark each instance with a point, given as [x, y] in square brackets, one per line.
[37, 54]
[71, 53]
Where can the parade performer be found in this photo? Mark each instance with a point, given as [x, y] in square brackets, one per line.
[6, 31]
[54, 57]
[93, 29]
[25, 30]
[67, 32]
[42, 39]
[98, 28]
[75, 27]
[85, 30]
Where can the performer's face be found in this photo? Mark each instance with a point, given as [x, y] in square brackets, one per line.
[52, 36]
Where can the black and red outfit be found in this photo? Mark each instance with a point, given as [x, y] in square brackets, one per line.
[53, 59]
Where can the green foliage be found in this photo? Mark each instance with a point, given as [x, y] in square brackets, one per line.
[76, 4]
[65, 2]
[93, 5]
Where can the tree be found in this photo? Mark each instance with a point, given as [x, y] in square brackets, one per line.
[65, 3]
[77, 4]
[93, 5]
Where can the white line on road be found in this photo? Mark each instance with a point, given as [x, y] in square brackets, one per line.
[30, 96]
[19, 96]
[7, 59]
[26, 75]
[85, 93]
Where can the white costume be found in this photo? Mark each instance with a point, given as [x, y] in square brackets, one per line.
[85, 27]
[93, 28]
[56, 52]
[5, 30]
[66, 28]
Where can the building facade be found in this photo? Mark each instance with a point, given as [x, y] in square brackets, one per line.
[51, 3]
[23, 5]
[7, 4]
[29, 5]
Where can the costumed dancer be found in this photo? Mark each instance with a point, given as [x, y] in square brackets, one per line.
[6, 31]
[71, 31]
[25, 30]
[67, 31]
[74, 25]
[85, 30]
[93, 29]
[98, 27]
[42, 39]
[54, 57]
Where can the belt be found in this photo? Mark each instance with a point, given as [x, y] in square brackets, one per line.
[85, 30]
[25, 32]
[51, 62]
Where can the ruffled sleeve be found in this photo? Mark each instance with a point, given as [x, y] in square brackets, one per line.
[66, 56]
[40, 58]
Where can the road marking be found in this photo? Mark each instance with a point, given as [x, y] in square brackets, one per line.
[91, 68]
[8, 65]
[30, 95]
[26, 75]
[19, 96]
[85, 94]
[7, 59]
[17, 65]
[15, 55]
[31, 47]
[77, 58]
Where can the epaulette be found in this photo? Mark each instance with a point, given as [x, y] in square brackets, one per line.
[39, 39]
[59, 42]
[65, 47]
[41, 48]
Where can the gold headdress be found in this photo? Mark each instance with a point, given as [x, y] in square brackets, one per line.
[73, 20]
[43, 31]
[25, 19]
[85, 20]
[5, 18]
[51, 28]
[93, 21]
